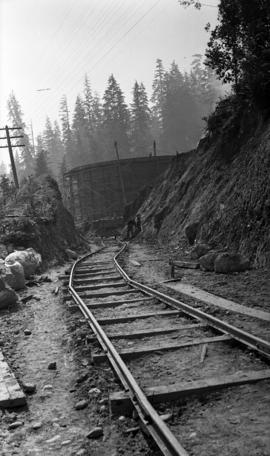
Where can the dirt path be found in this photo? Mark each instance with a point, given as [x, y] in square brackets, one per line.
[51, 424]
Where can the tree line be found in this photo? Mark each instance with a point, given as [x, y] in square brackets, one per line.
[172, 117]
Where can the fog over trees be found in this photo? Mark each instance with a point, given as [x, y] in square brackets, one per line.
[172, 117]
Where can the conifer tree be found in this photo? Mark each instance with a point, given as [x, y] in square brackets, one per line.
[80, 131]
[41, 166]
[180, 114]
[141, 138]
[67, 134]
[115, 126]
[3, 168]
[26, 155]
[157, 99]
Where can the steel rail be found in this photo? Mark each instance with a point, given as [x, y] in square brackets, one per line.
[150, 420]
[255, 343]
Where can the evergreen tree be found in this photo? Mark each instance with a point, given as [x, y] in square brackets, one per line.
[15, 115]
[181, 128]
[115, 125]
[141, 138]
[59, 151]
[48, 144]
[3, 168]
[81, 132]
[41, 166]
[157, 99]
[67, 134]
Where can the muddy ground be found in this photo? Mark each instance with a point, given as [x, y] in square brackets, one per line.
[51, 424]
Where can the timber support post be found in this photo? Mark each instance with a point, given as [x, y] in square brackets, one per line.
[10, 147]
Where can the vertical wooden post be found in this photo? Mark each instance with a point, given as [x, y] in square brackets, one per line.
[13, 167]
[120, 174]
[154, 148]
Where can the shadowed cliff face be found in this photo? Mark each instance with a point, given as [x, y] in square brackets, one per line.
[228, 195]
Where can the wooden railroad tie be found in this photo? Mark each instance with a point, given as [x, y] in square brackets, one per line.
[120, 402]
[103, 294]
[114, 320]
[131, 353]
[150, 332]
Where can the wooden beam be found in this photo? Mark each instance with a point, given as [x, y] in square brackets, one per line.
[11, 394]
[100, 295]
[112, 321]
[120, 401]
[133, 352]
[150, 332]
[102, 305]
[100, 285]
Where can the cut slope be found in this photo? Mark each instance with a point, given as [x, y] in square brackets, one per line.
[228, 197]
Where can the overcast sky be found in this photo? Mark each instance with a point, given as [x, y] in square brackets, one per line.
[53, 43]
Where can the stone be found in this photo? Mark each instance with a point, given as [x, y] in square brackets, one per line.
[15, 425]
[82, 378]
[71, 254]
[8, 298]
[166, 416]
[191, 232]
[27, 332]
[52, 365]
[81, 404]
[95, 433]
[94, 392]
[36, 425]
[47, 387]
[81, 452]
[29, 388]
[29, 259]
[226, 263]
[2, 284]
[14, 275]
[207, 261]
[66, 442]
[103, 408]
[199, 250]
[121, 418]
[53, 439]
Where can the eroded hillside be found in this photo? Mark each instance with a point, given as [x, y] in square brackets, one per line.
[225, 189]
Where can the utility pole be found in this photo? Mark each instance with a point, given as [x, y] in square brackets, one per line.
[8, 138]
[155, 148]
[120, 173]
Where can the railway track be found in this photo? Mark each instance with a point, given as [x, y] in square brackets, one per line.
[144, 333]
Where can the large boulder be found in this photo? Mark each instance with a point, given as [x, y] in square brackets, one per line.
[191, 231]
[8, 297]
[14, 275]
[207, 261]
[199, 250]
[231, 262]
[29, 259]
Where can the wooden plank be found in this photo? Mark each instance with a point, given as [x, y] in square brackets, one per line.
[92, 279]
[112, 321]
[120, 401]
[11, 394]
[185, 264]
[103, 294]
[84, 271]
[208, 298]
[102, 305]
[100, 285]
[133, 352]
[150, 332]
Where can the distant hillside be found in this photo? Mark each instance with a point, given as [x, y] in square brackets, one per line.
[225, 188]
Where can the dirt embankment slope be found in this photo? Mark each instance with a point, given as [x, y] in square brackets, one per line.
[225, 188]
[36, 217]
